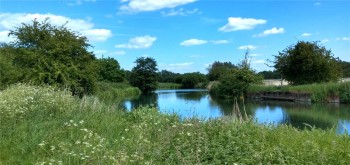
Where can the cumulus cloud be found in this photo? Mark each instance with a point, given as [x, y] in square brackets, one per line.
[9, 21]
[141, 42]
[220, 42]
[245, 47]
[238, 23]
[306, 35]
[270, 32]
[135, 6]
[192, 42]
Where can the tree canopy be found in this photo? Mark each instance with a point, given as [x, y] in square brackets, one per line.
[217, 69]
[53, 55]
[109, 70]
[144, 74]
[307, 62]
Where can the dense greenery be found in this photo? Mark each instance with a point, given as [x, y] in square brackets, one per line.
[320, 93]
[42, 125]
[47, 54]
[270, 74]
[236, 82]
[165, 76]
[109, 70]
[193, 80]
[346, 68]
[306, 63]
[218, 69]
[144, 74]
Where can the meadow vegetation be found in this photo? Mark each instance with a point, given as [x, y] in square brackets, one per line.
[319, 92]
[43, 125]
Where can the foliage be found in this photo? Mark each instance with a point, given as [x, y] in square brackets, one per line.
[236, 82]
[87, 131]
[109, 70]
[47, 54]
[113, 93]
[165, 76]
[144, 74]
[168, 86]
[320, 93]
[307, 62]
[346, 68]
[193, 80]
[270, 74]
[217, 69]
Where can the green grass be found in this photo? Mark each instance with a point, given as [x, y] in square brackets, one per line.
[114, 92]
[168, 86]
[40, 125]
[319, 92]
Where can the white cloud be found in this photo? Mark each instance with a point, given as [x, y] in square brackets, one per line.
[344, 38]
[141, 42]
[134, 6]
[255, 54]
[4, 36]
[250, 47]
[179, 12]
[238, 23]
[9, 21]
[176, 67]
[192, 42]
[79, 2]
[220, 42]
[117, 53]
[325, 41]
[270, 32]
[306, 35]
[317, 4]
[258, 61]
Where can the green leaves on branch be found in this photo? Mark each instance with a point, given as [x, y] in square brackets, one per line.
[306, 63]
[144, 74]
[47, 54]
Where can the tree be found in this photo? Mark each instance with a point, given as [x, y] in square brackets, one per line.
[144, 74]
[192, 80]
[109, 70]
[237, 81]
[270, 74]
[217, 69]
[47, 54]
[165, 76]
[307, 62]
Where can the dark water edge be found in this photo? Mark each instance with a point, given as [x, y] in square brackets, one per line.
[198, 103]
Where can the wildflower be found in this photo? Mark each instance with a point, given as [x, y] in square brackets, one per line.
[81, 121]
[52, 148]
[42, 144]
[126, 130]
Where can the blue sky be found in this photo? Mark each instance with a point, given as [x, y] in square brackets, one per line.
[188, 35]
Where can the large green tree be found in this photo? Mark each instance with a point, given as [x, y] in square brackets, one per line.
[217, 69]
[193, 80]
[109, 70]
[53, 55]
[144, 74]
[307, 62]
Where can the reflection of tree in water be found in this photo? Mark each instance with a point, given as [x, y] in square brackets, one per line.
[297, 114]
[150, 99]
[191, 96]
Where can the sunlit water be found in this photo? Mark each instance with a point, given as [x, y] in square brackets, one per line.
[198, 103]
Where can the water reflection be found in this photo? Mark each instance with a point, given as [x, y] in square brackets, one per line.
[198, 103]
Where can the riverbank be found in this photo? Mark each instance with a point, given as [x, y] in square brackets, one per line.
[319, 93]
[41, 125]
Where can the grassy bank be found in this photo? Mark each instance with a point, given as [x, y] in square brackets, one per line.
[116, 91]
[319, 92]
[40, 125]
[168, 86]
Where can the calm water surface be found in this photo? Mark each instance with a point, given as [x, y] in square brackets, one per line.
[198, 103]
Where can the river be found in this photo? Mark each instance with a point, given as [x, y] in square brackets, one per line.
[198, 103]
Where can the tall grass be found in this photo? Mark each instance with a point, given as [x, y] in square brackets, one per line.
[319, 92]
[57, 128]
[112, 92]
[168, 86]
